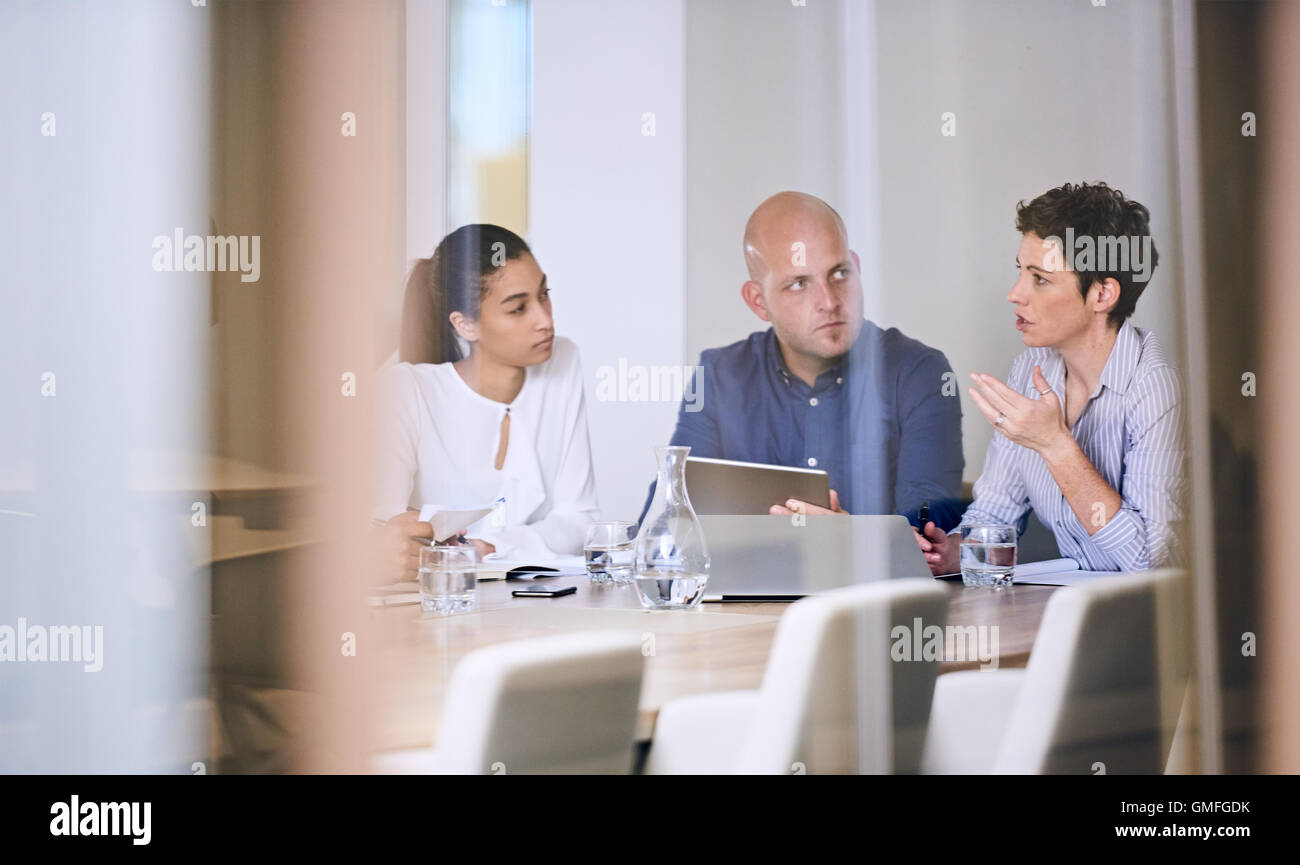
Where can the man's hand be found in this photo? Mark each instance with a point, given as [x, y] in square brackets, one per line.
[942, 551]
[397, 550]
[794, 506]
[1034, 423]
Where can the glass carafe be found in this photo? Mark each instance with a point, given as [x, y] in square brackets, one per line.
[671, 565]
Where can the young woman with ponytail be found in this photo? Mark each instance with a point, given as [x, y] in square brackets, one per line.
[486, 403]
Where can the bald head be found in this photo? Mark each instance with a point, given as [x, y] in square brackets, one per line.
[783, 220]
[803, 279]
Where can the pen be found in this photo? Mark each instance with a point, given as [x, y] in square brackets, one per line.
[924, 516]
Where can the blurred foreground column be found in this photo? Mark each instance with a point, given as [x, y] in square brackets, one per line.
[336, 211]
[1279, 650]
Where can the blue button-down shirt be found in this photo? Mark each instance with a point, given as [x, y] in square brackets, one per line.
[1131, 431]
[885, 424]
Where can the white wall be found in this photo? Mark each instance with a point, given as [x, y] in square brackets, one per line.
[764, 97]
[606, 211]
[426, 133]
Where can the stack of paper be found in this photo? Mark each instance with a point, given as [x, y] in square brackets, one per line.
[448, 522]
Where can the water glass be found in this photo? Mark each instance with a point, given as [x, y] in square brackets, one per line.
[448, 579]
[609, 551]
[988, 555]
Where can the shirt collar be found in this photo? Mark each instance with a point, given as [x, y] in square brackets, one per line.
[1116, 375]
[774, 360]
[1122, 363]
[1054, 372]
[833, 376]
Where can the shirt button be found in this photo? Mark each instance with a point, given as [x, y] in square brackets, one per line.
[839, 380]
[812, 461]
[812, 401]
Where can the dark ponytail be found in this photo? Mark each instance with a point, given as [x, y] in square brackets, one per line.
[453, 279]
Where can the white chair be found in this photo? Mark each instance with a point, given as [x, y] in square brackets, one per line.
[832, 699]
[1101, 693]
[564, 704]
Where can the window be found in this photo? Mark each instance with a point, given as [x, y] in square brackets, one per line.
[490, 74]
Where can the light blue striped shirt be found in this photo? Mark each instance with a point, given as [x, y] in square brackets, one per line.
[1131, 431]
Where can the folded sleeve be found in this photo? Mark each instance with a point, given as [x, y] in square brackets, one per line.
[1142, 534]
[1001, 495]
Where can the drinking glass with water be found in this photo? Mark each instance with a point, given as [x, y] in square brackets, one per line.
[988, 555]
[609, 551]
[448, 579]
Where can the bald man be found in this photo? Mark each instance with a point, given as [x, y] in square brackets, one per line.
[822, 387]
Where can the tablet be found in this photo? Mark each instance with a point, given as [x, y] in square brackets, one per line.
[727, 487]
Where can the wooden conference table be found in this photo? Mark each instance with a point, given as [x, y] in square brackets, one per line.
[715, 647]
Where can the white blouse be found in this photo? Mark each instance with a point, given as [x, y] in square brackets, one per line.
[438, 441]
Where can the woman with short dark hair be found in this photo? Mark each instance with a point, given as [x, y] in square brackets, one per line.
[1088, 424]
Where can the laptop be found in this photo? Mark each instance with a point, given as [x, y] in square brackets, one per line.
[771, 558]
[732, 487]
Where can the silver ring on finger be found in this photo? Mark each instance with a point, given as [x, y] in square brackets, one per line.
[1001, 420]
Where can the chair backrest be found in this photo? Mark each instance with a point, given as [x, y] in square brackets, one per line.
[1106, 679]
[563, 704]
[843, 691]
